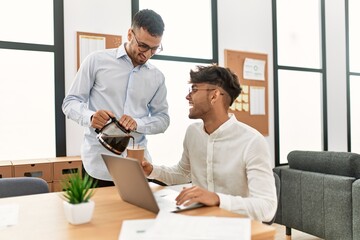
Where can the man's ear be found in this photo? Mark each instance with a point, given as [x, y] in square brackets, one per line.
[215, 96]
[218, 93]
[129, 34]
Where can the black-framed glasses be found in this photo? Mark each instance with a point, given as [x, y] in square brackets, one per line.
[144, 47]
[193, 90]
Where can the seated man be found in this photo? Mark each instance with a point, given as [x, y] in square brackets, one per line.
[228, 162]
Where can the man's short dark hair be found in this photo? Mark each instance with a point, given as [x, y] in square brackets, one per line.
[219, 76]
[150, 21]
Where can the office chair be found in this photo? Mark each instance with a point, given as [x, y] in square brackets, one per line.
[277, 185]
[18, 186]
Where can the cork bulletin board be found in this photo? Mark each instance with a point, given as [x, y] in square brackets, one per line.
[251, 106]
[89, 42]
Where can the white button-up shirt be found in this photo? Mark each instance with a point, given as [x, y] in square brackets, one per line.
[234, 161]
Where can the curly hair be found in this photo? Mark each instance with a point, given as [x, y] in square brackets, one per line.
[219, 76]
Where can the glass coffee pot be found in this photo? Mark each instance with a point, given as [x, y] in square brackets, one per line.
[114, 137]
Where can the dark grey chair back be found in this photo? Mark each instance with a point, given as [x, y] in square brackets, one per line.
[18, 186]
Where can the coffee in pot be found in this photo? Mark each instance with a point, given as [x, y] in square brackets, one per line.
[114, 137]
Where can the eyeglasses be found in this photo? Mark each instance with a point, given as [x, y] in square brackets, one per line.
[144, 47]
[193, 90]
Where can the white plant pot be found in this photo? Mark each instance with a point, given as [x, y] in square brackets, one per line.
[79, 213]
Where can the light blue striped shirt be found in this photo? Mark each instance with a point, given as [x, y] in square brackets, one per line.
[107, 80]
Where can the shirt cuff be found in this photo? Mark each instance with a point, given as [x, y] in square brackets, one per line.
[140, 126]
[155, 172]
[87, 118]
[225, 201]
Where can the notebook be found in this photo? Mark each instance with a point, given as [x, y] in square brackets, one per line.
[133, 186]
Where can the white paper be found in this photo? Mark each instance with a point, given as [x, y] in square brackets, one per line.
[135, 229]
[90, 44]
[179, 187]
[176, 226]
[9, 215]
[257, 100]
[254, 69]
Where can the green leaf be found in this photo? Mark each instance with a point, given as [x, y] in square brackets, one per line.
[78, 189]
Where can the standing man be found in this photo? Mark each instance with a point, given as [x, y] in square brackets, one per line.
[228, 162]
[120, 83]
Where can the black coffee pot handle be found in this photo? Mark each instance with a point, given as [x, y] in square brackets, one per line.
[113, 120]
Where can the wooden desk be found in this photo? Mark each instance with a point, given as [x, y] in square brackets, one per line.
[42, 217]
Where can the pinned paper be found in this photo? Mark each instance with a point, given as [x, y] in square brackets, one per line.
[257, 101]
[89, 44]
[254, 69]
[241, 103]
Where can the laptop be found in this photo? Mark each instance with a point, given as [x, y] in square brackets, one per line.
[134, 188]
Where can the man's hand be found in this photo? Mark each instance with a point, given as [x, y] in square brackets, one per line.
[196, 194]
[128, 122]
[100, 118]
[147, 167]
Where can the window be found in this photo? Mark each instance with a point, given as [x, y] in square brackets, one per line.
[298, 77]
[32, 124]
[192, 36]
[33, 22]
[296, 106]
[299, 38]
[29, 119]
[353, 7]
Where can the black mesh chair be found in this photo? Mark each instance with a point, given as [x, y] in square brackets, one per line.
[19, 186]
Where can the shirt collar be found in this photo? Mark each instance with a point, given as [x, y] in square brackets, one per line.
[226, 124]
[121, 53]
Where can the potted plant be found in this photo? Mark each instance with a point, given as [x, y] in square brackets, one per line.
[77, 193]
